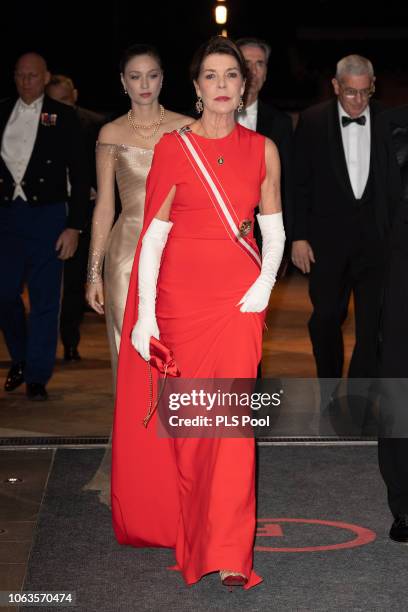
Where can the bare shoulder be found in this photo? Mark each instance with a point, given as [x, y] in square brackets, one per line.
[272, 159]
[173, 121]
[112, 132]
[271, 150]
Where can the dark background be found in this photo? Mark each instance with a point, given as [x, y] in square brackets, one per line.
[85, 41]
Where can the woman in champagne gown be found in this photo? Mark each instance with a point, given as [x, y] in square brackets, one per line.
[197, 495]
[124, 153]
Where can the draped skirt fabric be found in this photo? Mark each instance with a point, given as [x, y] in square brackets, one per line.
[211, 338]
[198, 495]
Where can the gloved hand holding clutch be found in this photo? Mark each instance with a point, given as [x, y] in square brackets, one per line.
[256, 298]
[153, 244]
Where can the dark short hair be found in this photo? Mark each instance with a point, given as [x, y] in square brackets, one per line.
[139, 49]
[217, 44]
[255, 42]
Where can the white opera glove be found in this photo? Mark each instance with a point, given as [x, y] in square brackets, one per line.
[153, 244]
[257, 297]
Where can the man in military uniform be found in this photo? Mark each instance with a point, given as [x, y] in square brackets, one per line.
[41, 144]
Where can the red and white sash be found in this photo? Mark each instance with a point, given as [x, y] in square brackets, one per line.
[222, 208]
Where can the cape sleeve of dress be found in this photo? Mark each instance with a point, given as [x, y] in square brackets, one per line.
[143, 472]
[161, 178]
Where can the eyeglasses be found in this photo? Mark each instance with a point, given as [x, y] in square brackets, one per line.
[350, 92]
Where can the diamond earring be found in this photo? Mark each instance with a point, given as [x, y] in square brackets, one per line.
[240, 105]
[199, 105]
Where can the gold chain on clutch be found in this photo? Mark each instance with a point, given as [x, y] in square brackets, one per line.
[152, 408]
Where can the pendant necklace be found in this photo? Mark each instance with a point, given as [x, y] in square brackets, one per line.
[220, 158]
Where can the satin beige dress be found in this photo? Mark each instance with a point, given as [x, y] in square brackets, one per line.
[131, 166]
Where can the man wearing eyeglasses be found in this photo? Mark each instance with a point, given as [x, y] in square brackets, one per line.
[335, 234]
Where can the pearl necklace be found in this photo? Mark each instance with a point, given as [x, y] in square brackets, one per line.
[140, 126]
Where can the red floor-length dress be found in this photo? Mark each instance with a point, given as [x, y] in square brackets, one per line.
[194, 495]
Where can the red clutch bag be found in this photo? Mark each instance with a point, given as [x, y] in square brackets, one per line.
[162, 359]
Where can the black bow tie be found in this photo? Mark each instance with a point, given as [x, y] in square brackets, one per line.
[345, 121]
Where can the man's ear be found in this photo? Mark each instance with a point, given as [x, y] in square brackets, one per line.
[336, 86]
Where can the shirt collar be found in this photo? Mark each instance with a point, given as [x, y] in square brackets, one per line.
[34, 106]
[252, 109]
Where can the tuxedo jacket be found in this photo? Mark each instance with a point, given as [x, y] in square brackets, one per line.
[391, 177]
[277, 126]
[58, 149]
[323, 192]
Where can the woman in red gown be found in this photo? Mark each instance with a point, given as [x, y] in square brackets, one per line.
[197, 495]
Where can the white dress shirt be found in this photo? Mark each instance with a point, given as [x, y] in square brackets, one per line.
[18, 140]
[249, 116]
[357, 146]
